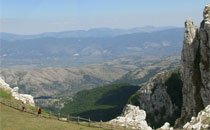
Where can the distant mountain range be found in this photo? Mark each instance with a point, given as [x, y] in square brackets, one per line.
[54, 49]
[95, 32]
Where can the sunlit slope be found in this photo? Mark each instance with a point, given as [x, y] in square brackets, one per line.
[12, 119]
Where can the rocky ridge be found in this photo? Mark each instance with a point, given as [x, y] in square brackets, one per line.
[25, 98]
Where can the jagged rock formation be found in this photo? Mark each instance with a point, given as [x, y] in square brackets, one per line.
[201, 122]
[25, 98]
[196, 67]
[133, 116]
[161, 98]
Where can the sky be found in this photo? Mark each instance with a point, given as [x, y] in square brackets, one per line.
[38, 16]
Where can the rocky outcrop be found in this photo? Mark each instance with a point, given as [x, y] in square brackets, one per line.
[133, 117]
[25, 98]
[4, 85]
[161, 98]
[191, 72]
[201, 122]
[196, 67]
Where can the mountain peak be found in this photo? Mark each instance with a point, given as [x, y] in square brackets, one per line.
[206, 13]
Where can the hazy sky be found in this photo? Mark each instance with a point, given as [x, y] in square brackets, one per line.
[36, 16]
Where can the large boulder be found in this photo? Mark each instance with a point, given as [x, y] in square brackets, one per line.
[134, 117]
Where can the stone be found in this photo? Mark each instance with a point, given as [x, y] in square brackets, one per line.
[166, 126]
[201, 122]
[132, 116]
[25, 98]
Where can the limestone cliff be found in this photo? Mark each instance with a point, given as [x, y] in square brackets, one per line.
[161, 98]
[196, 67]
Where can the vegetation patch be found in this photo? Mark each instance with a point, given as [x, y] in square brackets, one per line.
[134, 99]
[5, 94]
[174, 89]
[101, 103]
[197, 82]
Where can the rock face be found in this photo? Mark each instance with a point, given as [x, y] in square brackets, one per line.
[133, 116]
[201, 122]
[161, 98]
[205, 56]
[25, 98]
[196, 67]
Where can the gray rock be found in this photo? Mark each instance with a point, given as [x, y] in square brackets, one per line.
[133, 117]
[196, 67]
[158, 97]
[205, 56]
[189, 53]
[201, 122]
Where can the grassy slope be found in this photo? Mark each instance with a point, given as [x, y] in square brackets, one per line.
[4, 94]
[101, 103]
[12, 119]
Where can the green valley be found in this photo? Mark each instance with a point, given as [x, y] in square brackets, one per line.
[101, 103]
